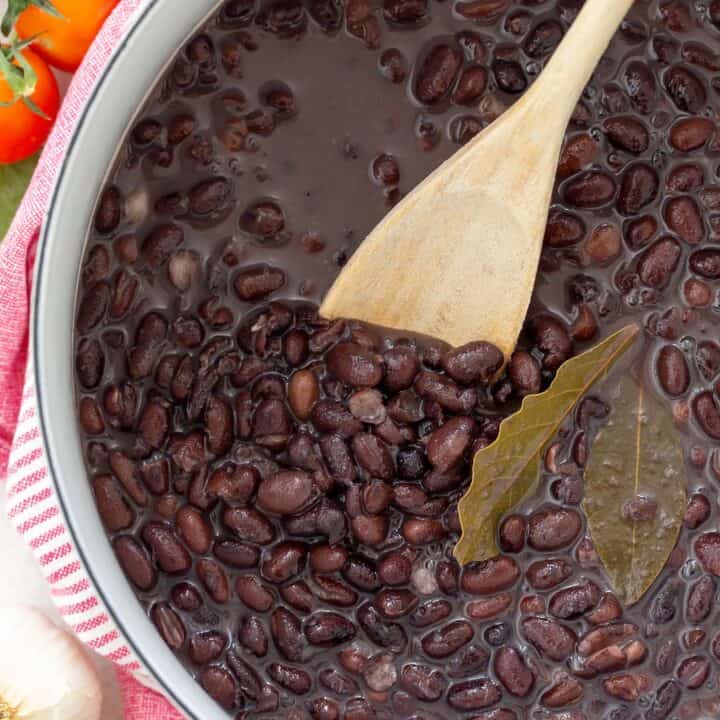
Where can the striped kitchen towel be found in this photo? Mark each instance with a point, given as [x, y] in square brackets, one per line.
[32, 501]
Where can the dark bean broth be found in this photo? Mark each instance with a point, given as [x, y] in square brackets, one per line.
[282, 490]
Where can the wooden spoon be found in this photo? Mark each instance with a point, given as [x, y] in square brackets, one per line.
[457, 258]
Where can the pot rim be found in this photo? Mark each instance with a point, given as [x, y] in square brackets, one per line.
[147, 48]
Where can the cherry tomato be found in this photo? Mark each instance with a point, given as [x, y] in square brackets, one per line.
[64, 41]
[22, 131]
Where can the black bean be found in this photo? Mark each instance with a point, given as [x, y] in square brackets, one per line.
[509, 76]
[436, 74]
[285, 560]
[135, 562]
[627, 133]
[286, 492]
[385, 634]
[168, 551]
[685, 89]
[638, 188]
[258, 281]
[423, 682]
[706, 263]
[512, 672]
[220, 685]
[326, 629]
[553, 340]
[672, 369]
[641, 86]
[89, 363]
[473, 694]
[169, 624]
[550, 638]
[109, 210]
[658, 262]
[707, 414]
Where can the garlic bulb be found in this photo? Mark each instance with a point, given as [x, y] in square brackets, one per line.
[44, 672]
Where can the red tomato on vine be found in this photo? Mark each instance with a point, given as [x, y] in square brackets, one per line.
[58, 32]
[29, 101]
[62, 30]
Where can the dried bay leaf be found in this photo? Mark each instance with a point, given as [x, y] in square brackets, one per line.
[505, 471]
[635, 489]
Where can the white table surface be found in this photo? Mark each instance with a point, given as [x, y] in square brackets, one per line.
[22, 580]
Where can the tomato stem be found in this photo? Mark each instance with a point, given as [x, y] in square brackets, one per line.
[16, 70]
[33, 106]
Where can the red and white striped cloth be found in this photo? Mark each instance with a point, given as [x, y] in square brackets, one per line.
[32, 501]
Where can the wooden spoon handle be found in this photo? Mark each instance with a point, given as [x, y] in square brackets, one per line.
[543, 114]
[556, 91]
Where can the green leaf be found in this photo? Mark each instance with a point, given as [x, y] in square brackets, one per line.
[14, 180]
[635, 489]
[504, 472]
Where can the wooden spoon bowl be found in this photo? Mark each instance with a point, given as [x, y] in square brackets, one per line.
[456, 259]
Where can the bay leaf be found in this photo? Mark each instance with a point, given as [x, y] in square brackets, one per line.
[635, 489]
[505, 471]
